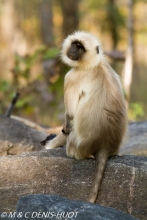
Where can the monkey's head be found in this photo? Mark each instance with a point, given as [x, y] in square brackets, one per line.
[81, 49]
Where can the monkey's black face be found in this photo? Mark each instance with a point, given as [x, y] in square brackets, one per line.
[76, 51]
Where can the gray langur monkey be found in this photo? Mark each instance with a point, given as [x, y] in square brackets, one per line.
[96, 115]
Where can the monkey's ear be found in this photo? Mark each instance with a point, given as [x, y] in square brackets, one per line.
[97, 49]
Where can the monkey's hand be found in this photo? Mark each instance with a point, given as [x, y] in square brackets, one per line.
[67, 127]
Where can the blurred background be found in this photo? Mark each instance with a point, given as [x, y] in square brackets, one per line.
[31, 34]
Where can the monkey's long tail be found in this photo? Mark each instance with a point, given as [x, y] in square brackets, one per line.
[101, 161]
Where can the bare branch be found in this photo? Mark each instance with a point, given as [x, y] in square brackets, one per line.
[13, 102]
[115, 54]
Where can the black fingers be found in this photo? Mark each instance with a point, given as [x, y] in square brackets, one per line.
[48, 138]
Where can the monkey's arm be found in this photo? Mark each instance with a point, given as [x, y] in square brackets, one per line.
[71, 101]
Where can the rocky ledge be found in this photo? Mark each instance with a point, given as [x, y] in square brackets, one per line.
[51, 172]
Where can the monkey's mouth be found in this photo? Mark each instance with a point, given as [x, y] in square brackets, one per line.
[73, 57]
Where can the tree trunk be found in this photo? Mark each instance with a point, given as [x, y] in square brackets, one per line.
[11, 36]
[70, 16]
[46, 17]
[128, 66]
[111, 19]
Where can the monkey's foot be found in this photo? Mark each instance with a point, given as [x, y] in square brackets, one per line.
[75, 154]
[49, 145]
[120, 155]
[47, 142]
[91, 157]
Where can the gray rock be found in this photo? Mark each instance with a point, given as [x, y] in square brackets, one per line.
[15, 137]
[137, 139]
[55, 207]
[51, 172]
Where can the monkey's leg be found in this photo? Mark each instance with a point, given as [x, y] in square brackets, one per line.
[71, 147]
[58, 141]
[75, 150]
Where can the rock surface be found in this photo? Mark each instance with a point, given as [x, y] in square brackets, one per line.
[137, 139]
[15, 137]
[124, 186]
[55, 207]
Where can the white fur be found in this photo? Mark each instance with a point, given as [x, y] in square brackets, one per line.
[91, 58]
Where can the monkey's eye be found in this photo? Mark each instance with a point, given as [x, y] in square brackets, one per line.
[80, 49]
[97, 49]
[78, 45]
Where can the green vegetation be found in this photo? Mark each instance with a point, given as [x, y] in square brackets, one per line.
[30, 46]
[136, 111]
